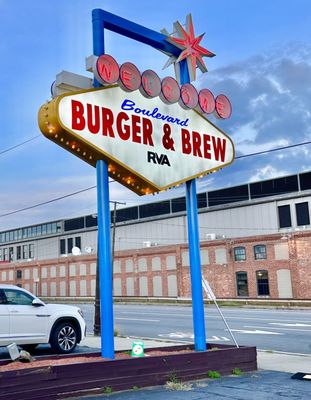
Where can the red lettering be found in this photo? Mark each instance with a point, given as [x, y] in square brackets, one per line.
[107, 117]
[123, 130]
[219, 146]
[147, 132]
[185, 140]
[136, 129]
[207, 146]
[93, 126]
[196, 144]
[77, 118]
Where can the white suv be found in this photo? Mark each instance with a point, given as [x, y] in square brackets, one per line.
[27, 321]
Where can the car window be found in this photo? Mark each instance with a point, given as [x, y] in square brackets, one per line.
[17, 297]
[2, 297]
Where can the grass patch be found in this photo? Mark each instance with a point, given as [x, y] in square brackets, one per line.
[236, 371]
[107, 390]
[213, 374]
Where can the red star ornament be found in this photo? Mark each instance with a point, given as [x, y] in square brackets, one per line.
[190, 46]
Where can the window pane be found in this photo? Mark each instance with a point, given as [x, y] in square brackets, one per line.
[25, 251]
[239, 254]
[260, 252]
[69, 245]
[241, 283]
[78, 242]
[18, 252]
[178, 204]
[302, 213]
[31, 251]
[62, 246]
[17, 297]
[262, 283]
[75, 223]
[49, 228]
[284, 216]
[18, 274]
[154, 209]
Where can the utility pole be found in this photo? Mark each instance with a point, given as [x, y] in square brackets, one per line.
[97, 293]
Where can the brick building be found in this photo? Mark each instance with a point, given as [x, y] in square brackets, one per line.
[272, 266]
[255, 242]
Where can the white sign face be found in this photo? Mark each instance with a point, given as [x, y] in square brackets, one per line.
[159, 144]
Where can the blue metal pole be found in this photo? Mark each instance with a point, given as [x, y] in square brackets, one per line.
[104, 250]
[194, 251]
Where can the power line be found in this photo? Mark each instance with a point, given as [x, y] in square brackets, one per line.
[272, 150]
[92, 187]
[47, 202]
[19, 144]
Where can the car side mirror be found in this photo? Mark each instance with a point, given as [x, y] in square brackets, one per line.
[37, 303]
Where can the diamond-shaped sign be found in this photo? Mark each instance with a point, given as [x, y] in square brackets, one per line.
[149, 145]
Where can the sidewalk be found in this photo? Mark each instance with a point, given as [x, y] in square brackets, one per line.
[272, 381]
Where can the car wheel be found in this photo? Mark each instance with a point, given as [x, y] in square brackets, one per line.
[64, 338]
[29, 347]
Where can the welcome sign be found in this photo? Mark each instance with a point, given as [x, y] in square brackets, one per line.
[149, 145]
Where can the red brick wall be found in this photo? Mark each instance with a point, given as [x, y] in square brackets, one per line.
[221, 276]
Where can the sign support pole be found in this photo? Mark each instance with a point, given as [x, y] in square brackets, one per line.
[194, 250]
[104, 250]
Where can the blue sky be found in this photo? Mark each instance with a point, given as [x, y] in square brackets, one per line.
[263, 64]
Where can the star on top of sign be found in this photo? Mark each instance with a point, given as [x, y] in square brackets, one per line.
[190, 46]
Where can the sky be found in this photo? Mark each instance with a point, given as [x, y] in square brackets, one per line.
[262, 63]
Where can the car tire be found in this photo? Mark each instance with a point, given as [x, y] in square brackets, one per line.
[29, 347]
[64, 338]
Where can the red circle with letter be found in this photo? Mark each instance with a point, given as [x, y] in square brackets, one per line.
[223, 107]
[150, 84]
[170, 90]
[206, 101]
[107, 69]
[130, 78]
[189, 96]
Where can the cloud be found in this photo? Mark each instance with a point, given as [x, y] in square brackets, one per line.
[271, 101]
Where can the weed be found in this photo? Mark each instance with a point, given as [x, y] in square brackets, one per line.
[236, 371]
[107, 390]
[173, 378]
[135, 388]
[213, 375]
[116, 332]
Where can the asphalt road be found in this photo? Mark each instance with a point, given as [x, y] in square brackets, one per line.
[267, 329]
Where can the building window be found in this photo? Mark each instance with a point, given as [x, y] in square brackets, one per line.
[69, 244]
[25, 252]
[11, 253]
[302, 213]
[0, 254]
[31, 251]
[78, 242]
[239, 254]
[5, 254]
[19, 274]
[62, 246]
[262, 283]
[241, 283]
[285, 220]
[260, 252]
[18, 252]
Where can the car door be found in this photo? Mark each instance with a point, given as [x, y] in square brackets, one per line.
[4, 321]
[28, 323]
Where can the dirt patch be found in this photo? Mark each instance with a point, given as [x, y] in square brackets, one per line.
[17, 365]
